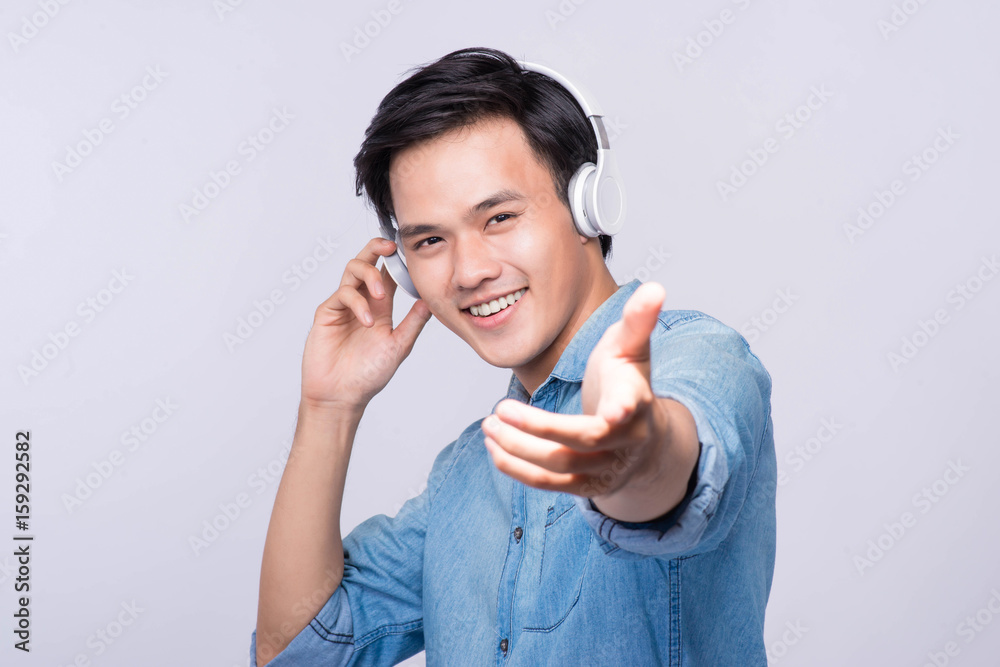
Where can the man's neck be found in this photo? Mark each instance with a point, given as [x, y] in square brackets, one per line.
[533, 374]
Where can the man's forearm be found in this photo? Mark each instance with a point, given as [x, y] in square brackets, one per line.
[303, 561]
[661, 483]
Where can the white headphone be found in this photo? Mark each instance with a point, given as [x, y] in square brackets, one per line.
[596, 197]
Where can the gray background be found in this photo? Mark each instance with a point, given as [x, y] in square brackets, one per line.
[781, 241]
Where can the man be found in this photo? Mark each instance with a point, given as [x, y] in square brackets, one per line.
[617, 507]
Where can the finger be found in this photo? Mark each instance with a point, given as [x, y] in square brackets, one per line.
[358, 273]
[583, 433]
[378, 283]
[639, 319]
[530, 474]
[549, 455]
[409, 328]
[375, 248]
[388, 282]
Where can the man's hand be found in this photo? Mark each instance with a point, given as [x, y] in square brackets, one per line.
[631, 452]
[353, 350]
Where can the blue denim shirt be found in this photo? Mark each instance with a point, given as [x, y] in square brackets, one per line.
[481, 569]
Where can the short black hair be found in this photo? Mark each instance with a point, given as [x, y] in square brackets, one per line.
[461, 89]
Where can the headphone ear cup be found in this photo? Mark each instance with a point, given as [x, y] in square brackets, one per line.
[579, 187]
[396, 264]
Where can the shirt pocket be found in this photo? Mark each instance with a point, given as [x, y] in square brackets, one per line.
[558, 579]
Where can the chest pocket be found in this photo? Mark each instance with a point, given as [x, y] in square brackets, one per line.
[563, 564]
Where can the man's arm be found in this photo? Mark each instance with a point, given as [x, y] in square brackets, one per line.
[303, 560]
[709, 368]
[704, 366]
[350, 354]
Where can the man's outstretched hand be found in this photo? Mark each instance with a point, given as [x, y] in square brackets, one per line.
[631, 452]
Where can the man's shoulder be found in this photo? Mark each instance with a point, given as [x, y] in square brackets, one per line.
[691, 321]
[692, 336]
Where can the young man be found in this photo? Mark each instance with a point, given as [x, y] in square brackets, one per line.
[618, 507]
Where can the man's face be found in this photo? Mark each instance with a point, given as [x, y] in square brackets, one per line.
[479, 219]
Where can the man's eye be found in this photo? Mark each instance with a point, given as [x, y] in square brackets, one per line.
[501, 215]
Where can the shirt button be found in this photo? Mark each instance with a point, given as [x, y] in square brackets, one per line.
[503, 645]
[517, 533]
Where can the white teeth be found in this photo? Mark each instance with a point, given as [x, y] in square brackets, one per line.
[496, 305]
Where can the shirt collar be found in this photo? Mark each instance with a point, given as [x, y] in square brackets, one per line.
[573, 361]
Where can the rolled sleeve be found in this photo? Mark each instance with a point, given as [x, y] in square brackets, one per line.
[375, 615]
[327, 640]
[708, 367]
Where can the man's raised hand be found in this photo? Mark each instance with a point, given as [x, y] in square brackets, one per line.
[352, 349]
[622, 426]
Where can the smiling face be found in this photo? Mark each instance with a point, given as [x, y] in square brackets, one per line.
[479, 219]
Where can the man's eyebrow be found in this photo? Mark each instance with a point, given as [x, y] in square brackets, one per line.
[407, 232]
[498, 197]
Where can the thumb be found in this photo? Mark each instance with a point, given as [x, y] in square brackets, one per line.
[406, 332]
[639, 319]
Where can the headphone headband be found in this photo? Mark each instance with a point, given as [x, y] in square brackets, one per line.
[597, 199]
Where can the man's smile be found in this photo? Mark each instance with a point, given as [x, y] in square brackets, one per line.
[491, 314]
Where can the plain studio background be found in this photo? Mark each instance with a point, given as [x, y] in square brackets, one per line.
[177, 199]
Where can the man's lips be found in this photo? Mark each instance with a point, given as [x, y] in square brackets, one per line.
[497, 318]
[492, 298]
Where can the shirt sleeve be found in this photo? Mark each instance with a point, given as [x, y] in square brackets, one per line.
[375, 616]
[707, 367]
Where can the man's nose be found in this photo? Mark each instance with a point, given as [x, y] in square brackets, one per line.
[474, 261]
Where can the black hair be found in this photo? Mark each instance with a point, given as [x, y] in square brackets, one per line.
[461, 89]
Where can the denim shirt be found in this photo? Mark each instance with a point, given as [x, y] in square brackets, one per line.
[481, 569]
